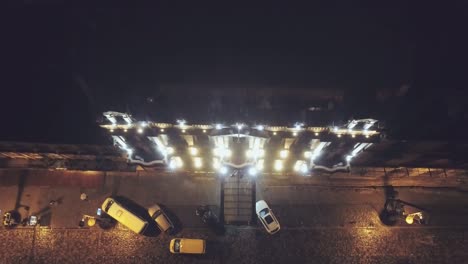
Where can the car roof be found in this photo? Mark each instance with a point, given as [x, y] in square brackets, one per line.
[153, 209]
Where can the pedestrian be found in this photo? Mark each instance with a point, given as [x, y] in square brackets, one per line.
[84, 197]
[81, 223]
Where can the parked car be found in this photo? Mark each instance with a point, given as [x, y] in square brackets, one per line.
[266, 216]
[124, 216]
[162, 221]
[187, 246]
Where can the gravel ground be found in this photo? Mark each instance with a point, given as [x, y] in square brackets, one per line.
[239, 245]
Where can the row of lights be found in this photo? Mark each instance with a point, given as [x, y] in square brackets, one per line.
[352, 135]
[278, 165]
[295, 133]
[182, 123]
[140, 131]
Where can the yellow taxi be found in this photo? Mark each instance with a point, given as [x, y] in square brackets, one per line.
[187, 246]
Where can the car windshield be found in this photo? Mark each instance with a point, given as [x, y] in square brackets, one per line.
[264, 212]
[269, 219]
[156, 214]
[108, 205]
[177, 245]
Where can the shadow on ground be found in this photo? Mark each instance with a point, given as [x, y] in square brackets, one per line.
[212, 253]
[178, 226]
[211, 220]
[389, 214]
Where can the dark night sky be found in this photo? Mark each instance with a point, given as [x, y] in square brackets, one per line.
[66, 64]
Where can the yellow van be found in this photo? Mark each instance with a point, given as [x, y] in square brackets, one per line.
[124, 216]
[187, 246]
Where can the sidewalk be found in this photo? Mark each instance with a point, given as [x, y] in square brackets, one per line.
[179, 193]
[340, 180]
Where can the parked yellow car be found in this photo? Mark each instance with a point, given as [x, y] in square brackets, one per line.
[187, 246]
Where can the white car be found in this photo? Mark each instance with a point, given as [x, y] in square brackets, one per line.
[161, 219]
[267, 217]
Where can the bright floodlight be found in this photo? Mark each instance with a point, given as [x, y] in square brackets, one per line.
[162, 129]
[222, 152]
[316, 134]
[125, 130]
[298, 126]
[278, 165]
[227, 153]
[307, 154]
[294, 134]
[140, 130]
[274, 133]
[181, 122]
[183, 130]
[239, 126]
[180, 163]
[216, 163]
[301, 166]
[172, 164]
[260, 127]
[197, 162]
[219, 126]
[252, 171]
[348, 158]
[298, 164]
[255, 153]
[175, 163]
[284, 153]
[223, 170]
[144, 124]
[204, 130]
[193, 151]
[112, 130]
[170, 150]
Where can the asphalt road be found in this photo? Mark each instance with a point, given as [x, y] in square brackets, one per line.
[319, 225]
